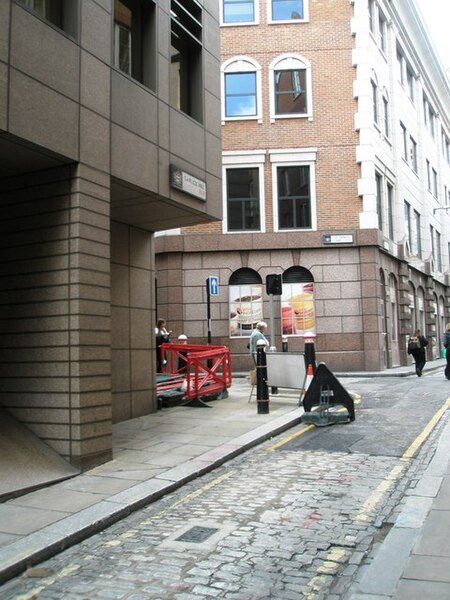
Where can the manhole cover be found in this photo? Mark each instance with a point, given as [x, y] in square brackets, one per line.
[197, 534]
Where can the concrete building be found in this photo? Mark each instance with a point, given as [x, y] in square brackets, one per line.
[109, 132]
[336, 175]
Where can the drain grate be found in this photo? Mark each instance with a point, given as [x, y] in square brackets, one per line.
[197, 534]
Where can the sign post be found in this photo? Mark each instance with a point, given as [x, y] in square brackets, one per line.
[212, 289]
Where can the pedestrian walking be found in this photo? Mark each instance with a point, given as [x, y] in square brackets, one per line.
[257, 334]
[416, 347]
[446, 343]
[162, 336]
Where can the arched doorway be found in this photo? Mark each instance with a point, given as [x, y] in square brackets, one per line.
[393, 317]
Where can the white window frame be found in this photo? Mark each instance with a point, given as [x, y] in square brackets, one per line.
[241, 23]
[295, 157]
[242, 64]
[287, 62]
[271, 21]
[238, 159]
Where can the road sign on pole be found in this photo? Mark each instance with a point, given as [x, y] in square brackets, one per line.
[213, 285]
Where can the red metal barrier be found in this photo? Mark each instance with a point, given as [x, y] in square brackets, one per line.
[207, 369]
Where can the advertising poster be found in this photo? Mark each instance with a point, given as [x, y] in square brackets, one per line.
[297, 309]
[246, 309]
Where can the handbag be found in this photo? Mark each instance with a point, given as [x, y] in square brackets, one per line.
[252, 377]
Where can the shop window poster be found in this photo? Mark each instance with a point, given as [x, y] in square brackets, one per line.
[297, 309]
[246, 309]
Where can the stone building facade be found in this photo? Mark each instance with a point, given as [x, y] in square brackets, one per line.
[105, 106]
[336, 175]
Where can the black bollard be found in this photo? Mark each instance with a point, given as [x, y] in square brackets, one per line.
[262, 391]
[310, 352]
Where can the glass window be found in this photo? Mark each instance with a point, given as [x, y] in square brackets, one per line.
[290, 92]
[435, 183]
[243, 202]
[413, 153]
[294, 197]
[372, 16]
[186, 92]
[240, 94]
[386, 126]
[378, 183]
[287, 10]
[245, 302]
[416, 247]
[238, 11]
[407, 218]
[390, 200]
[405, 142]
[410, 82]
[61, 13]
[134, 37]
[297, 303]
[427, 162]
[374, 101]
[122, 37]
[382, 31]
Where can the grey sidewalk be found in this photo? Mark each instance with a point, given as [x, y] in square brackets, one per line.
[155, 454]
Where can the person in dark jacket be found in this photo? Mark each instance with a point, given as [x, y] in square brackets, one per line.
[446, 343]
[416, 347]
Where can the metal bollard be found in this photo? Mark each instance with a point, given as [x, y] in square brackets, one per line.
[284, 344]
[262, 391]
[310, 352]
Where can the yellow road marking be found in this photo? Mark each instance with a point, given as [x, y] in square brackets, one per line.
[48, 581]
[409, 453]
[376, 496]
[290, 437]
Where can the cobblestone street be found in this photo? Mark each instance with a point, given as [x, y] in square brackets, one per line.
[272, 523]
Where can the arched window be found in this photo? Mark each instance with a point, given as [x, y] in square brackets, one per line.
[297, 303]
[245, 301]
[241, 89]
[290, 87]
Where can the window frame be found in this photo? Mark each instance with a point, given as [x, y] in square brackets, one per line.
[186, 92]
[272, 21]
[255, 20]
[290, 62]
[294, 158]
[63, 17]
[241, 64]
[245, 160]
[142, 37]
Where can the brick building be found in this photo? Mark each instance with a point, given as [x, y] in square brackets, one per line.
[109, 110]
[336, 175]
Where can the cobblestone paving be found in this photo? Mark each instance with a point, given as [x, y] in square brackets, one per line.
[284, 525]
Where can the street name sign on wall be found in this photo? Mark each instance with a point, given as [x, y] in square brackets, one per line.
[181, 180]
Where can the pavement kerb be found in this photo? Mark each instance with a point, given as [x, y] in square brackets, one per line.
[52, 539]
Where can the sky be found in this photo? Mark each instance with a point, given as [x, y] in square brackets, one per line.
[436, 14]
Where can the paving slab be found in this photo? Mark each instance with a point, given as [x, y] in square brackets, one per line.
[427, 568]
[435, 535]
[422, 590]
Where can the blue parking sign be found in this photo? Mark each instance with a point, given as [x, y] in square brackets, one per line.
[213, 283]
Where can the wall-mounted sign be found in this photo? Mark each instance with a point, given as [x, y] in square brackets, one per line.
[187, 183]
[338, 238]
